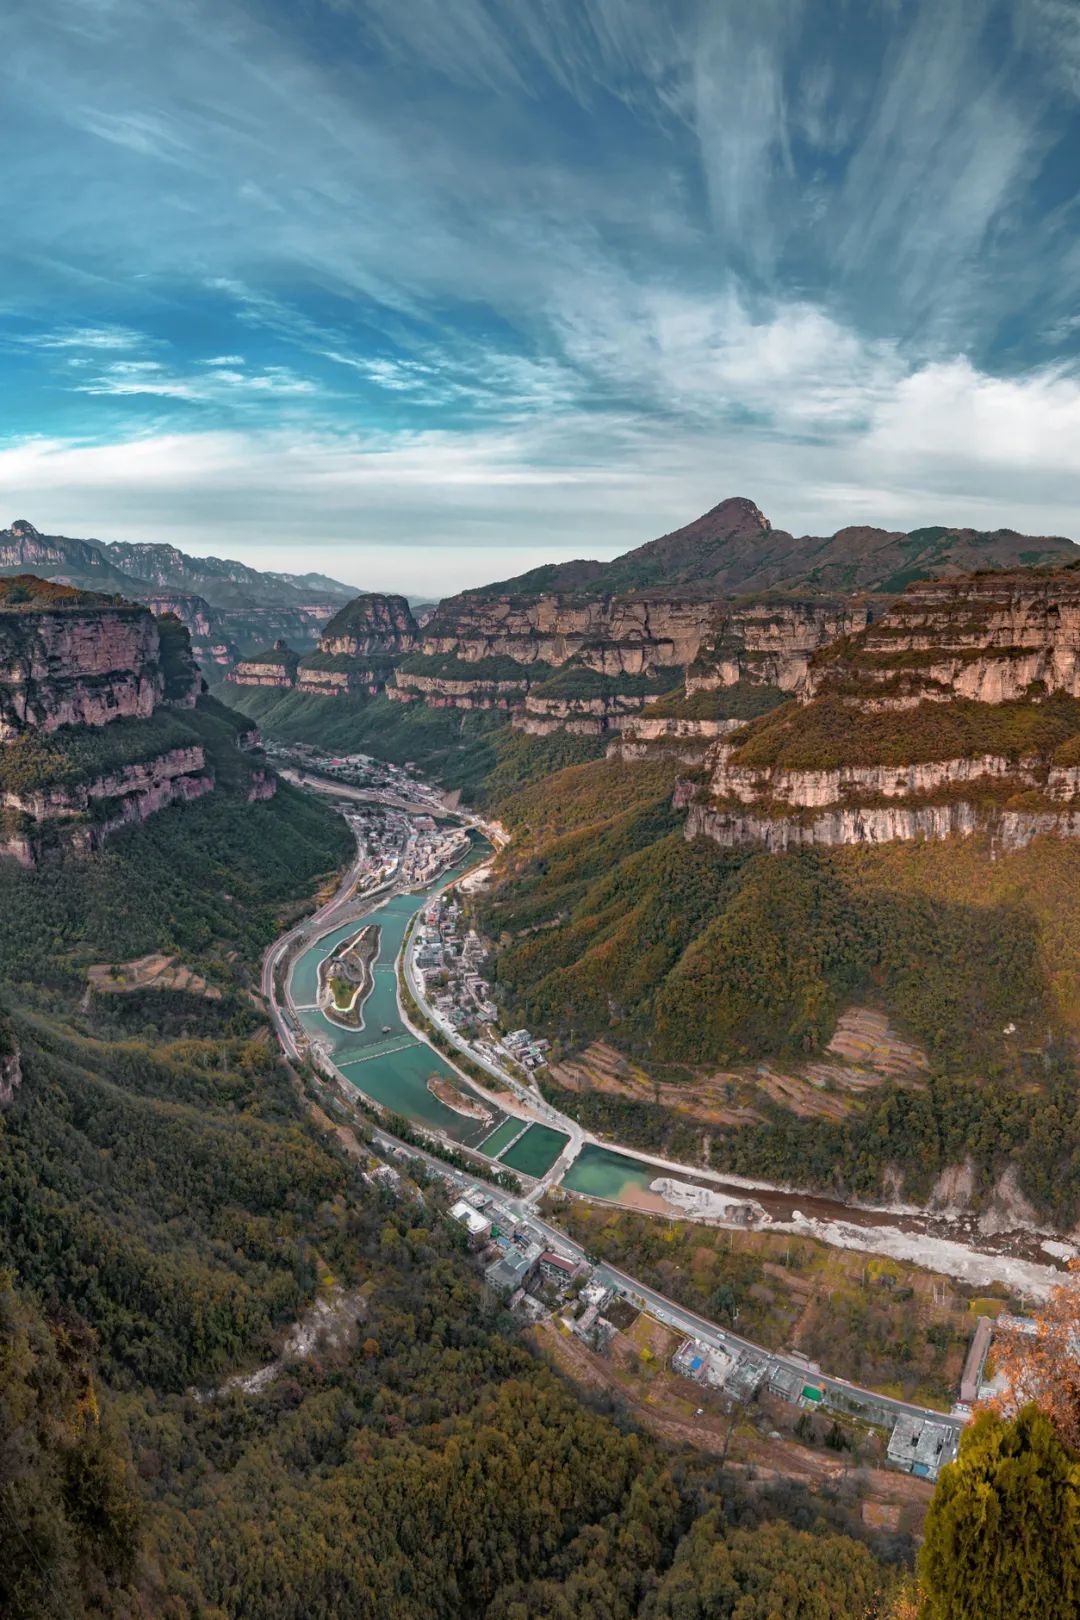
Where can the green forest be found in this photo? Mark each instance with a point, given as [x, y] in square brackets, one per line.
[166, 1212]
[611, 925]
[169, 1212]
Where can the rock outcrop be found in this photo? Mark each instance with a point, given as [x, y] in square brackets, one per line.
[10, 1064]
[273, 666]
[957, 711]
[227, 607]
[1010, 829]
[992, 638]
[87, 740]
[356, 652]
[771, 642]
[370, 625]
[70, 658]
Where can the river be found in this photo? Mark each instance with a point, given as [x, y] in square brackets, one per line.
[386, 1062]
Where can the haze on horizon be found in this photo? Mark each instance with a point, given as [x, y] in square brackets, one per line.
[422, 294]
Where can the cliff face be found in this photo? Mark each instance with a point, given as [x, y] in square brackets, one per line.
[93, 730]
[904, 717]
[990, 638]
[355, 652]
[441, 692]
[613, 635]
[370, 624]
[276, 666]
[1012, 829]
[621, 639]
[813, 790]
[771, 642]
[82, 663]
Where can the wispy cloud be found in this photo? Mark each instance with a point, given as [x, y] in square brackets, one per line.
[822, 251]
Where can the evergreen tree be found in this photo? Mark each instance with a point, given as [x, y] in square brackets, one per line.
[1003, 1531]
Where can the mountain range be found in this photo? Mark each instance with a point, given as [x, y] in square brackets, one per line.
[733, 548]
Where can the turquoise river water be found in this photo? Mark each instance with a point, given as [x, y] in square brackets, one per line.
[389, 1065]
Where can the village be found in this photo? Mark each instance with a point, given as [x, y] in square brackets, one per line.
[448, 959]
[540, 1281]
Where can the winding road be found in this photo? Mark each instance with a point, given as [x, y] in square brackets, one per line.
[873, 1406]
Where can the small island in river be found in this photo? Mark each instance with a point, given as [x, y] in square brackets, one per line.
[453, 1097]
[346, 978]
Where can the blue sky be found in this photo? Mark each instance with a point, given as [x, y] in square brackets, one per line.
[423, 292]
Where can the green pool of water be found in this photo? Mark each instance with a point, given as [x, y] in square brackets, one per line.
[384, 1060]
[494, 1144]
[537, 1150]
[604, 1174]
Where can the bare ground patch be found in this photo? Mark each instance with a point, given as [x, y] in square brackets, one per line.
[153, 972]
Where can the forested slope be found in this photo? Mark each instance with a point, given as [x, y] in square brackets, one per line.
[611, 924]
[167, 1213]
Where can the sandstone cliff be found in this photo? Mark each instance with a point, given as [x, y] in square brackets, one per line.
[102, 719]
[371, 624]
[274, 666]
[73, 660]
[990, 637]
[957, 710]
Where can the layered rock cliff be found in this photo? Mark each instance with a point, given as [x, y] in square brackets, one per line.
[71, 658]
[958, 710]
[229, 608]
[102, 719]
[991, 637]
[370, 625]
[356, 652]
[273, 666]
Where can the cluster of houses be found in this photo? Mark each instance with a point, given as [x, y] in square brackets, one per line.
[356, 770]
[529, 1052]
[448, 959]
[522, 1267]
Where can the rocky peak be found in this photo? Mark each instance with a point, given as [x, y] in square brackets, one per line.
[371, 623]
[24, 530]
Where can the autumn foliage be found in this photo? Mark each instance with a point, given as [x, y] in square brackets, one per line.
[1042, 1366]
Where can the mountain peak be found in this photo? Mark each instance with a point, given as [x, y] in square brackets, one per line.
[22, 527]
[739, 514]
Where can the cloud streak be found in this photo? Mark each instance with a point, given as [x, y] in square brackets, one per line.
[559, 273]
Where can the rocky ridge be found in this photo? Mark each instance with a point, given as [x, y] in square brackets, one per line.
[903, 717]
[88, 686]
[355, 653]
[226, 606]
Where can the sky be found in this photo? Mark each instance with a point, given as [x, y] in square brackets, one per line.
[421, 293]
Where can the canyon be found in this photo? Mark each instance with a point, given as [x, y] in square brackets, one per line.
[228, 608]
[899, 715]
[103, 721]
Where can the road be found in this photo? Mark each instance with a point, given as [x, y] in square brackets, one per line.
[660, 1305]
[523, 1209]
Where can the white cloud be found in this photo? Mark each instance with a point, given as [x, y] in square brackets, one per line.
[943, 443]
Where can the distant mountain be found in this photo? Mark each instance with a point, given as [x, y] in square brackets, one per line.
[228, 607]
[154, 567]
[734, 549]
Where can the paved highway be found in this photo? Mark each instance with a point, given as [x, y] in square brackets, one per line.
[523, 1210]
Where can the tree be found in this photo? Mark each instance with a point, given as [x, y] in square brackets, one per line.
[1003, 1530]
[1044, 1366]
